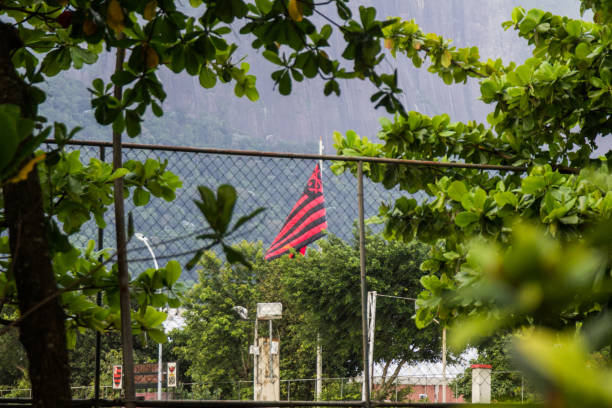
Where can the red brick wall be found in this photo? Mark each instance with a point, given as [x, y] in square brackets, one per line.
[430, 391]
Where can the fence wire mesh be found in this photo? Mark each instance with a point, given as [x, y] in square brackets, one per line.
[276, 184]
[272, 183]
[421, 385]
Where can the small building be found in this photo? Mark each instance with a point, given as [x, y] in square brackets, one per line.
[422, 388]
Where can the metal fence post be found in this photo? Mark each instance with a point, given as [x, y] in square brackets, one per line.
[396, 384]
[99, 302]
[364, 288]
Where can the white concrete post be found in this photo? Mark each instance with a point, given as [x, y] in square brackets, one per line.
[268, 373]
[481, 383]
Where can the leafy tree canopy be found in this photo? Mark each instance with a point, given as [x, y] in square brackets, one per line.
[489, 267]
[320, 294]
[40, 39]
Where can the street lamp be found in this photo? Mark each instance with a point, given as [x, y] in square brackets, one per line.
[145, 240]
[242, 312]
[265, 311]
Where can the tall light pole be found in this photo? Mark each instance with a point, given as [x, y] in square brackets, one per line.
[145, 240]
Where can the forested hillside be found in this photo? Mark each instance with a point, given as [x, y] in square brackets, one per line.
[195, 116]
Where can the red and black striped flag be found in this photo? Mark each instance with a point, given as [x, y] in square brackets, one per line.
[306, 221]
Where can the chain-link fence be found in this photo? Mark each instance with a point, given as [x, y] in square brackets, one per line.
[422, 385]
[274, 183]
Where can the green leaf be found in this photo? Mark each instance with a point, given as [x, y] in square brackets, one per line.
[132, 123]
[233, 256]
[153, 317]
[430, 265]
[457, 190]
[71, 339]
[252, 94]
[571, 219]
[446, 59]
[265, 6]
[533, 184]
[156, 108]
[488, 88]
[284, 83]
[573, 28]
[98, 85]
[226, 199]
[479, 199]
[272, 57]
[582, 50]
[120, 172]
[432, 283]
[173, 272]
[196, 258]
[505, 197]
[465, 218]
[157, 335]
[120, 78]
[246, 218]
[208, 205]
[141, 197]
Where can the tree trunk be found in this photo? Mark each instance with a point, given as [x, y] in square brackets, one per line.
[42, 333]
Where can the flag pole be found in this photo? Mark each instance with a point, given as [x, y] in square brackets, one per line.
[321, 154]
[319, 362]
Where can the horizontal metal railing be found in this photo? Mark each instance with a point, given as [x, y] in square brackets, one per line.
[22, 403]
[255, 153]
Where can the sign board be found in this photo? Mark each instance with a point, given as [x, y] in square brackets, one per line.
[145, 374]
[269, 311]
[172, 374]
[253, 350]
[117, 377]
[274, 347]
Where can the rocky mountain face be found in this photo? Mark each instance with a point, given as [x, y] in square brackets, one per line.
[307, 114]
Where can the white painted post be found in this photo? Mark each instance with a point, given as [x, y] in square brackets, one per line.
[444, 364]
[371, 331]
[481, 383]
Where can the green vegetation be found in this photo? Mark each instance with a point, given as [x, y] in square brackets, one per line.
[528, 254]
[512, 252]
[320, 294]
[52, 283]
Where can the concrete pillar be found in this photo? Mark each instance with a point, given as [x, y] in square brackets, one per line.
[268, 376]
[481, 383]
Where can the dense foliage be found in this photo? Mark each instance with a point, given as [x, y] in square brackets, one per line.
[512, 251]
[320, 294]
[41, 39]
[549, 112]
